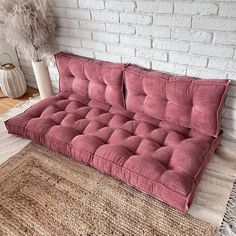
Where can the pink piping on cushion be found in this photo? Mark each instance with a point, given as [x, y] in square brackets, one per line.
[220, 108]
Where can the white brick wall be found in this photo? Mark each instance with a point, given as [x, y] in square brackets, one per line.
[91, 4]
[155, 6]
[172, 20]
[120, 6]
[195, 8]
[187, 37]
[171, 45]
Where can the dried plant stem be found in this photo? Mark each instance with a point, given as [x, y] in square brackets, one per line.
[29, 26]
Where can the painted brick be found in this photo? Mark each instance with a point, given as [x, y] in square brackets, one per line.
[120, 6]
[225, 38]
[91, 4]
[230, 102]
[210, 23]
[230, 113]
[135, 18]
[86, 24]
[155, 6]
[168, 67]
[59, 11]
[69, 41]
[228, 10]
[232, 90]
[228, 144]
[218, 1]
[222, 64]
[55, 83]
[233, 82]
[67, 3]
[172, 20]
[83, 52]
[53, 70]
[228, 123]
[206, 73]
[52, 64]
[32, 84]
[107, 57]
[137, 61]
[187, 59]
[191, 35]
[67, 23]
[172, 45]
[230, 134]
[62, 32]
[106, 37]
[120, 28]
[77, 13]
[24, 63]
[193, 8]
[94, 45]
[211, 50]
[151, 54]
[28, 70]
[79, 33]
[136, 41]
[152, 31]
[105, 16]
[93, 28]
[63, 48]
[30, 78]
[20, 54]
[121, 50]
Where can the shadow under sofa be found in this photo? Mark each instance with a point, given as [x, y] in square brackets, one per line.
[152, 130]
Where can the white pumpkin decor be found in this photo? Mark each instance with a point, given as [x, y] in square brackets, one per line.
[12, 80]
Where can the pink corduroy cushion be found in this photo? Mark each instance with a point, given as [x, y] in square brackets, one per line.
[157, 157]
[184, 101]
[156, 151]
[101, 81]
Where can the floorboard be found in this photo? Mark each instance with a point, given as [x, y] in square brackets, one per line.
[7, 103]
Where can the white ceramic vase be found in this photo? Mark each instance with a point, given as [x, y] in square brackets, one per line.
[12, 81]
[42, 78]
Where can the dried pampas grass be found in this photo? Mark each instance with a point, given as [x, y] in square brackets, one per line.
[29, 26]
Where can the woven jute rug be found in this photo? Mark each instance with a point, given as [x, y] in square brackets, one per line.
[45, 193]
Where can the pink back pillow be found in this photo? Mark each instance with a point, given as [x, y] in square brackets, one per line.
[101, 81]
[184, 101]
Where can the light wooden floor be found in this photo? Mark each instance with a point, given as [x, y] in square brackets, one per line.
[7, 103]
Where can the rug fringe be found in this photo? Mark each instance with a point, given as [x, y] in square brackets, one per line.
[228, 224]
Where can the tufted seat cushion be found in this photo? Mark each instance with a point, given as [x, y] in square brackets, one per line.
[161, 157]
[155, 156]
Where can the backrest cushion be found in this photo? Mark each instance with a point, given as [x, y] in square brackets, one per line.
[101, 81]
[185, 101]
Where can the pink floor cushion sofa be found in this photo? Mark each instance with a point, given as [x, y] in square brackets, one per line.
[152, 130]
